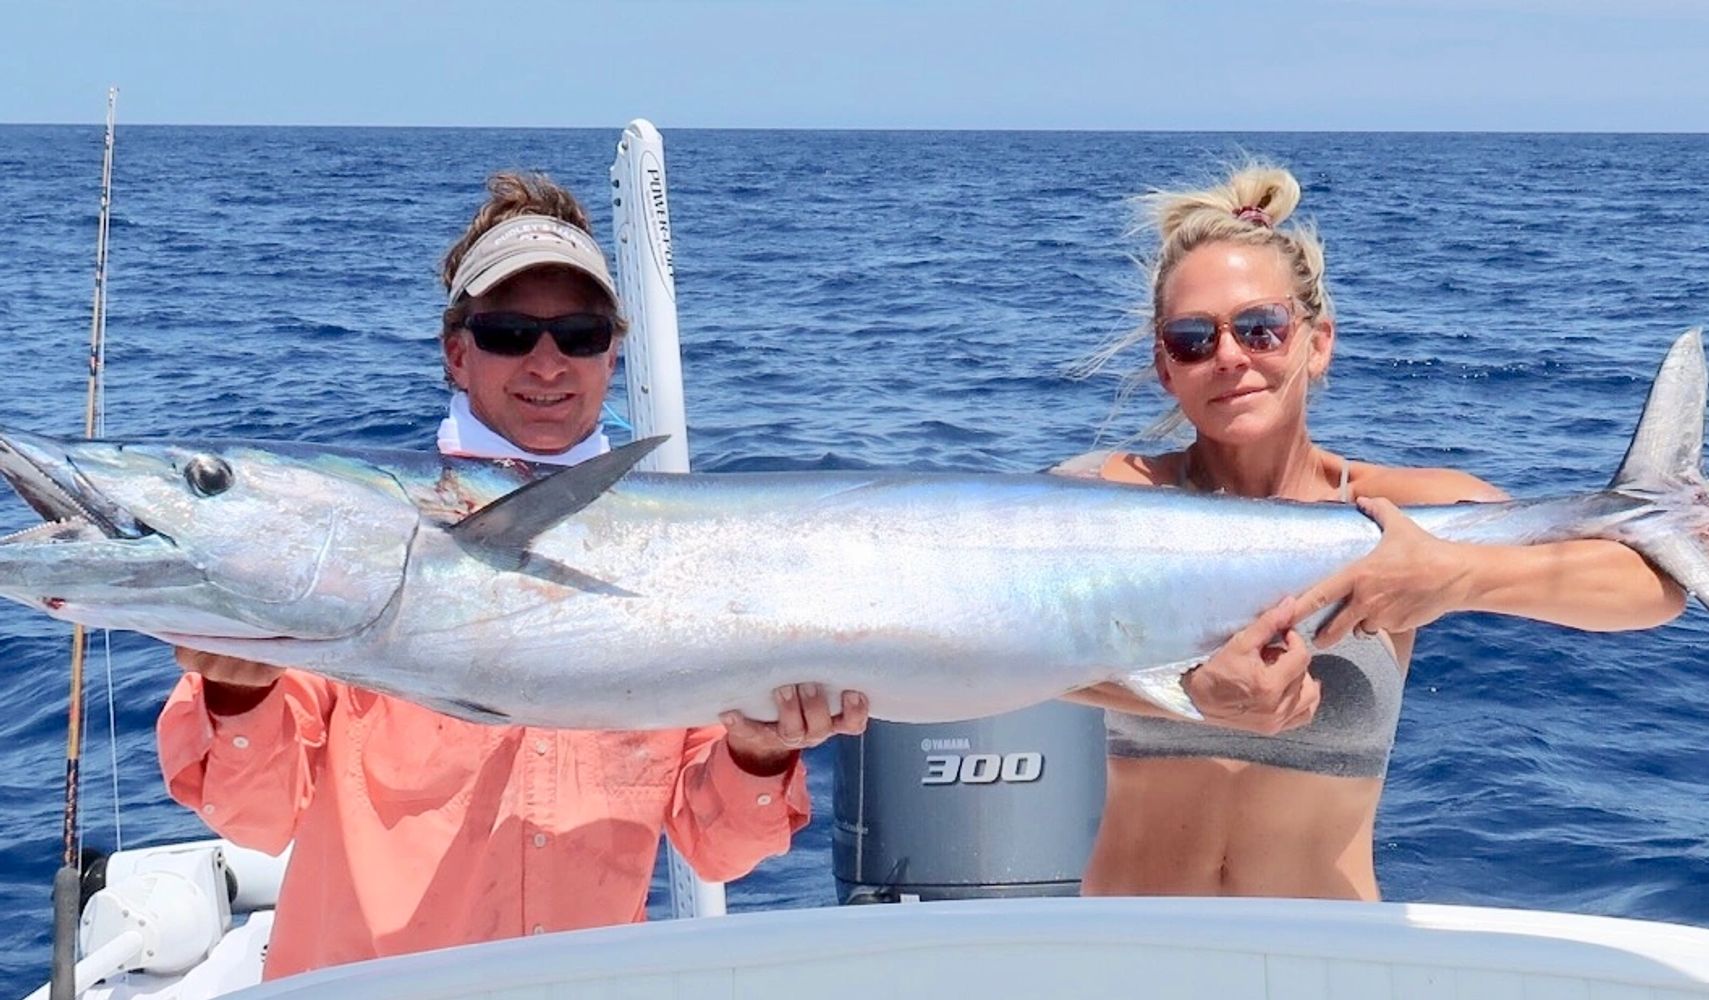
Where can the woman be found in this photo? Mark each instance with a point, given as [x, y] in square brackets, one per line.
[1242, 324]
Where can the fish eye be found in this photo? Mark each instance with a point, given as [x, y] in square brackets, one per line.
[207, 475]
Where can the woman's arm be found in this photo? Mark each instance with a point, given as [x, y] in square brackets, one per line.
[1114, 696]
[1413, 578]
[1592, 584]
[1258, 681]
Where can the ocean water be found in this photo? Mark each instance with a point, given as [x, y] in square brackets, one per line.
[915, 299]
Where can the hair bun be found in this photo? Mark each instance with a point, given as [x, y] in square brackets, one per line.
[1255, 215]
[1271, 190]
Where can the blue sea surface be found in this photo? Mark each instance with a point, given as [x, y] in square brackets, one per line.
[916, 299]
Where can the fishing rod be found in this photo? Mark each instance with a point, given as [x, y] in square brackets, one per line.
[68, 880]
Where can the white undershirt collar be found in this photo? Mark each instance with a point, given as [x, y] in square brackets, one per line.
[463, 433]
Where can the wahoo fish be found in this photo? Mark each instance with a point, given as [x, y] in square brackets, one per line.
[593, 597]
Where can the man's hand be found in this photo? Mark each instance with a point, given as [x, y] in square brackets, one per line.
[1257, 682]
[233, 686]
[227, 669]
[1410, 579]
[804, 720]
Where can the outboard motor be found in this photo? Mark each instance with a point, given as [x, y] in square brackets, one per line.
[1004, 806]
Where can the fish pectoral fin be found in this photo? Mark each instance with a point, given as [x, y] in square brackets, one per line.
[512, 521]
[1161, 685]
[500, 533]
[568, 576]
[545, 568]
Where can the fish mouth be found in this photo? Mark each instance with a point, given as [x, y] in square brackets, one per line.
[46, 477]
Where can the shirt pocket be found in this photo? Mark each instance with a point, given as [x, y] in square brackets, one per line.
[638, 765]
[416, 758]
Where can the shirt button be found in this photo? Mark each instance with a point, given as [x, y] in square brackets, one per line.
[538, 929]
[541, 746]
[241, 742]
[539, 840]
[208, 808]
[764, 799]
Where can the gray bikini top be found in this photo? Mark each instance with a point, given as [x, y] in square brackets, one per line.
[1350, 736]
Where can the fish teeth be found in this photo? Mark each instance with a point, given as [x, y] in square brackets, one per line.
[53, 531]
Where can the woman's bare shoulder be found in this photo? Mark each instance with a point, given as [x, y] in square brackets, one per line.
[1123, 467]
[1406, 486]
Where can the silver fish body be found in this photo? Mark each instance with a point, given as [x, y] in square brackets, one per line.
[663, 600]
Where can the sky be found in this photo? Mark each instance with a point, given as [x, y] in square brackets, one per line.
[1502, 65]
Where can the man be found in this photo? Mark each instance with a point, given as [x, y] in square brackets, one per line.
[415, 830]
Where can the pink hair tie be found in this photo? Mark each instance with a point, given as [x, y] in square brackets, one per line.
[1254, 214]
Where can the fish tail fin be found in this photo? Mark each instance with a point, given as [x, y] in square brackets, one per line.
[1663, 468]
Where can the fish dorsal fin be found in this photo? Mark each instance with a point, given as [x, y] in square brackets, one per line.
[511, 522]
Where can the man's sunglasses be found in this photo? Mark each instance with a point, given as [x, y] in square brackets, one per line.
[512, 335]
[1259, 328]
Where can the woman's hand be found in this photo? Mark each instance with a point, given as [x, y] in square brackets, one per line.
[1258, 680]
[1410, 579]
[804, 720]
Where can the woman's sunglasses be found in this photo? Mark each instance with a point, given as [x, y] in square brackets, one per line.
[1259, 328]
[578, 335]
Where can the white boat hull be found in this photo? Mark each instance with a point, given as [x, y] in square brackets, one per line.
[1168, 949]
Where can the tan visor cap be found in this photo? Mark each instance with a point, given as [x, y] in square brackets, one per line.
[515, 245]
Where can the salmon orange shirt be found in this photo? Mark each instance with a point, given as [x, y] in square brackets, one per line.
[415, 830]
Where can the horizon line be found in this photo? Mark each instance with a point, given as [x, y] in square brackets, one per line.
[1358, 130]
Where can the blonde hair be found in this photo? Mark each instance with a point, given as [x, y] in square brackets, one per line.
[1247, 207]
